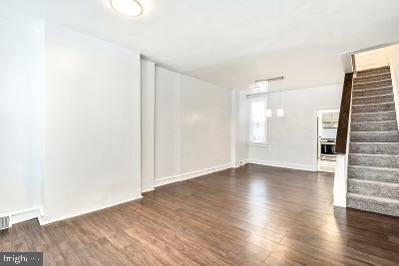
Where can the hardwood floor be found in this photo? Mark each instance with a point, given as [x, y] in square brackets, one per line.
[254, 215]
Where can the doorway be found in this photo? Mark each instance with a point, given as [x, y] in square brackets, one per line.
[327, 125]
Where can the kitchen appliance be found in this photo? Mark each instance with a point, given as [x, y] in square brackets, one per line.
[327, 149]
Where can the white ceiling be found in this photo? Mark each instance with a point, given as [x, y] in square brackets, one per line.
[232, 43]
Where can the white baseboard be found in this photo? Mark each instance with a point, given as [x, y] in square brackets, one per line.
[24, 215]
[147, 190]
[339, 200]
[295, 166]
[43, 220]
[190, 175]
[239, 164]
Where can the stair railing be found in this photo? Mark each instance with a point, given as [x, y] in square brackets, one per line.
[344, 115]
[342, 143]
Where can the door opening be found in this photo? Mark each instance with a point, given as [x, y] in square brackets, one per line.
[327, 123]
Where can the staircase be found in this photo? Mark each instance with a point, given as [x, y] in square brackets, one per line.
[373, 174]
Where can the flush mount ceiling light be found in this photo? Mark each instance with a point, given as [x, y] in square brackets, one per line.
[130, 8]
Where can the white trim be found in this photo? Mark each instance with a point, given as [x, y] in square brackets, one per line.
[24, 215]
[295, 166]
[339, 200]
[190, 175]
[234, 108]
[148, 190]
[167, 180]
[239, 163]
[258, 145]
[340, 187]
[43, 221]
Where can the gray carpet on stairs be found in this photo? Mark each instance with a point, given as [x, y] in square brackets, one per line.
[373, 173]
[373, 92]
[374, 116]
[371, 136]
[375, 147]
[373, 107]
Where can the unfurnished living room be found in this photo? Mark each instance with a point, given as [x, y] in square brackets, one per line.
[198, 132]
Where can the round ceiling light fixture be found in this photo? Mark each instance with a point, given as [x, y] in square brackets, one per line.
[130, 8]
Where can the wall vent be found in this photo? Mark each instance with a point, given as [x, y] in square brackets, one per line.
[4, 222]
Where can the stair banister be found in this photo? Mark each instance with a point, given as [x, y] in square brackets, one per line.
[340, 178]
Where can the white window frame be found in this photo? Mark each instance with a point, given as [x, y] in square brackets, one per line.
[256, 98]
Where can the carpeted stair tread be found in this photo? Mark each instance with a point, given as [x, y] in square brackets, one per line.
[371, 78]
[381, 205]
[373, 96]
[374, 116]
[374, 126]
[373, 91]
[375, 160]
[374, 188]
[358, 82]
[374, 147]
[372, 85]
[375, 136]
[373, 71]
[361, 108]
[373, 99]
[382, 174]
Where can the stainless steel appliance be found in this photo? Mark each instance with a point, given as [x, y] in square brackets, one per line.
[327, 149]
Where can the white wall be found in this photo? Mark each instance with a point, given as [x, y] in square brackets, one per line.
[147, 125]
[71, 126]
[393, 54]
[81, 99]
[205, 125]
[292, 139]
[93, 124]
[193, 127]
[371, 59]
[21, 69]
[167, 125]
[240, 124]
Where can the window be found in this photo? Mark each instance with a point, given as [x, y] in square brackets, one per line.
[257, 119]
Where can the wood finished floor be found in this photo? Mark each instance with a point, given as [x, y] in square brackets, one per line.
[254, 215]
